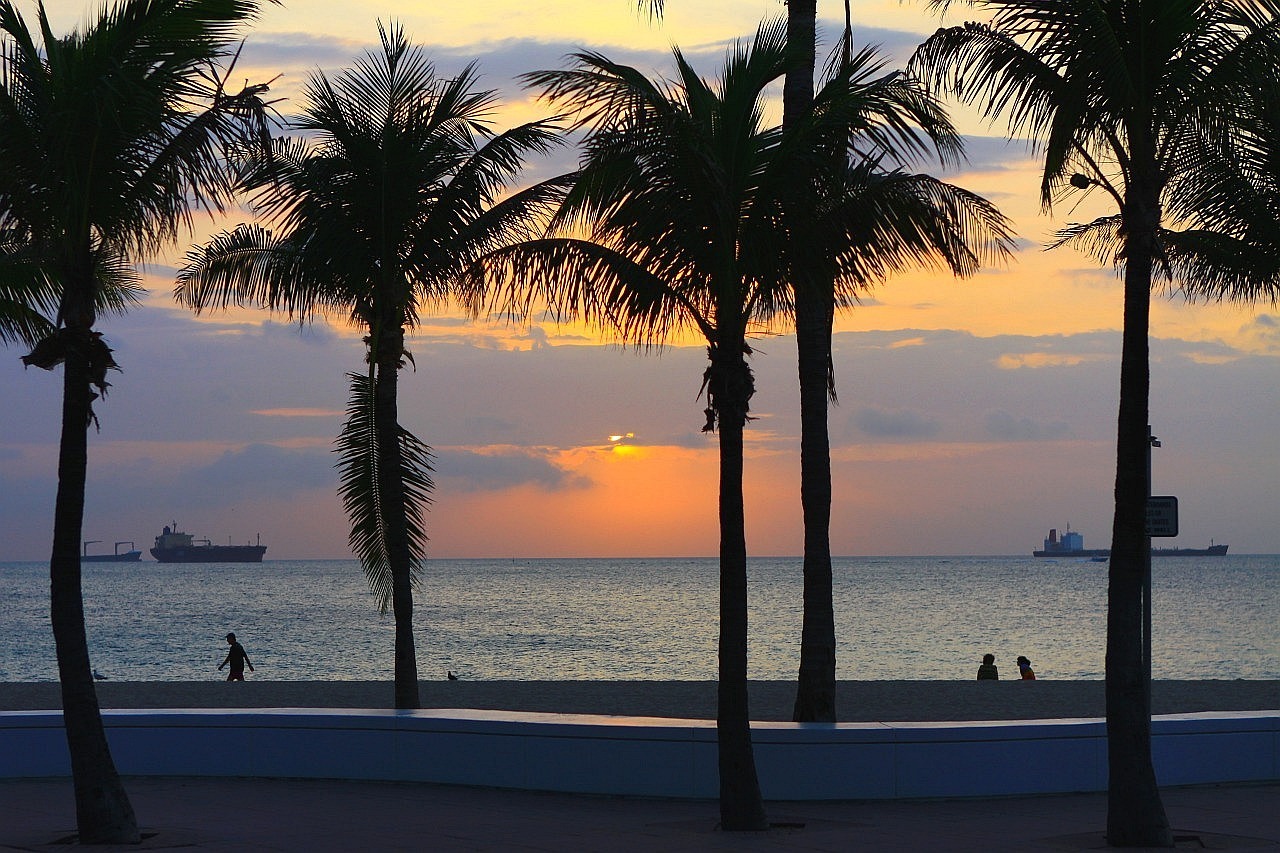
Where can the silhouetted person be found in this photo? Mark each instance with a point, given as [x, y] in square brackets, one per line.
[1024, 667]
[988, 671]
[237, 658]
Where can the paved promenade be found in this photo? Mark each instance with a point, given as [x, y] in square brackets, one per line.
[307, 815]
[217, 814]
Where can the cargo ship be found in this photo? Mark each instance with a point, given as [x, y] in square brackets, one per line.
[174, 546]
[1071, 544]
[130, 556]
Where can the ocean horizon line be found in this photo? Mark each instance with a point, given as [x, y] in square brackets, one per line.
[517, 558]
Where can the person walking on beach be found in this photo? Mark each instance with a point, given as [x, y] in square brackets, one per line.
[987, 671]
[237, 658]
[1024, 667]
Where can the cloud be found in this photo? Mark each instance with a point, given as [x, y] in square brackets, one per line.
[902, 423]
[1035, 360]
[992, 154]
[302, 50]
[503, 468]
[1262, 334]
[1006, 427]
[280, 470]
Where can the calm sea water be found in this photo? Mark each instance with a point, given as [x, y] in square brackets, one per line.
[897, 618]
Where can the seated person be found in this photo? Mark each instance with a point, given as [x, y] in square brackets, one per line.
[1024, 667]
[988, 671]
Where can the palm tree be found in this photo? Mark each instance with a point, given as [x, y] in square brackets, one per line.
[816, 681]
[893, 121]
[892, 105]
[391, 191]
[685, 200]
[679, 191]
[1121, 95]
[109, 137]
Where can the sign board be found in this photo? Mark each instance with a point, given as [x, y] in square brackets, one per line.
[1162, 515]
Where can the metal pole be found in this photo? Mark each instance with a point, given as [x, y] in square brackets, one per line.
[1152, 441]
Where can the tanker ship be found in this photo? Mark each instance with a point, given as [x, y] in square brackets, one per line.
[174, 546]
[1071, 544]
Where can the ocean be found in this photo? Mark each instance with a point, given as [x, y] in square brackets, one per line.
[917, 618]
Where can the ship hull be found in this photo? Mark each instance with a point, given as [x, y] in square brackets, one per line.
[1086, 552]
[126, 557]
[211, 554]
[1211, 551]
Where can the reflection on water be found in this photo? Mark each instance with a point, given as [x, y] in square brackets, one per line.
[897, 618]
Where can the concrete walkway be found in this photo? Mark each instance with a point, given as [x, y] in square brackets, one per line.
[215, 814]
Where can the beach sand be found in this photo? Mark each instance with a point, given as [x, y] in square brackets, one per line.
[856, 701]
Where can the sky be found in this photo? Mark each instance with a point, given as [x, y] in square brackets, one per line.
[973, 415]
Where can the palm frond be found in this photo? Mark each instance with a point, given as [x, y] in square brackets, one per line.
[359, 466]
[579, 279]
[881, 114]
[1101, 239]
[879, 224]
[1220, 267]
[252, 266]
[112, 136]
[20, 320]
[27, 296]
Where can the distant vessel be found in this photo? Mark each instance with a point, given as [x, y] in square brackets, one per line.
[130, 556]
[1072, 545]
[174, 546]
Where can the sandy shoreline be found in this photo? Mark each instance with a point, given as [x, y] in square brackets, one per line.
[896, 701]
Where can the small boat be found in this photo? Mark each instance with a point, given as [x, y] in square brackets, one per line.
[130, 556]
[174, 546]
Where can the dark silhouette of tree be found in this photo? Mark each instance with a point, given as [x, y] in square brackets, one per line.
[393, 188]
[1122, 96]
[680, 218]
[895, 124]
[109, 137]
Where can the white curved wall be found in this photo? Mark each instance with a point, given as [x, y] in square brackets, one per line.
[647, 756]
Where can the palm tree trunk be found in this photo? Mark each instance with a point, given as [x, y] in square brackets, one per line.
[1135, 813]
[391, 496]
[104, 814]
[816, 686]
[815, 692]
[741, 806]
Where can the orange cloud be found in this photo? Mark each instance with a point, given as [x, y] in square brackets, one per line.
[1034, 360]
